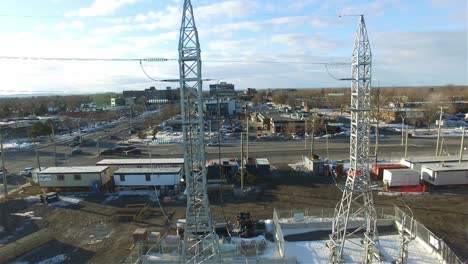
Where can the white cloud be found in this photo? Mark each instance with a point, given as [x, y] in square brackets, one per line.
[101, 8]
[69, 25]
[226, 10]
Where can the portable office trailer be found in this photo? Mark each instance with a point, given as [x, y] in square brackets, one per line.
[416, 163]
[116, 164]
[401, 177]
[79, 176]
[445, 174]
[147, 176]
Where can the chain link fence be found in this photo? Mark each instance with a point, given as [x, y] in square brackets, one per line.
[429, 238]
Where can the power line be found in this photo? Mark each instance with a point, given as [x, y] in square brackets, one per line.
[83, 59]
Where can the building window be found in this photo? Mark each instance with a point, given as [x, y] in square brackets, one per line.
[60, 177]
[77, 177]
[148, 177]
[122, 177]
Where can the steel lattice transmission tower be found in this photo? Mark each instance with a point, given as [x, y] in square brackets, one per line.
[357, 202]
[200, 240]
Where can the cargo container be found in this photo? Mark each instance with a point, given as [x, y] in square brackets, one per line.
[378, 170]
[445, 174]
[401, 177]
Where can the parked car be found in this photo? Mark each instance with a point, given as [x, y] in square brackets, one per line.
[76, 151]
[212, 144]
[27, 171]
[119, 149]
[107, 152]
[115, 137]
[89, 143]
[135, 151]
[74, 144]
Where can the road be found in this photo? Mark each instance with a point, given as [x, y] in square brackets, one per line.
[276, 151]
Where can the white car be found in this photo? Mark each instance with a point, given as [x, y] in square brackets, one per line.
[27, 171]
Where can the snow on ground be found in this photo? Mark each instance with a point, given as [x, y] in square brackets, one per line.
[298, 166]
[116, 196]
[54, 260]
[305, 219]
[66, 201]
[317, 252]
[31, 199]
[29, 214]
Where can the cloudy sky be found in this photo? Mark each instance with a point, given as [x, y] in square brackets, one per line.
[417, 42]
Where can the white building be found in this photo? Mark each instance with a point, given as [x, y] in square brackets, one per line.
[445, 174]
[147, 176]
[79, 176]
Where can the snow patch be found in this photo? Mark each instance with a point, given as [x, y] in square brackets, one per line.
[29, 214]
[54, 260]
[66, 201]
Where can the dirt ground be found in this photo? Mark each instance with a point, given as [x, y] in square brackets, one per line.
[89, 231]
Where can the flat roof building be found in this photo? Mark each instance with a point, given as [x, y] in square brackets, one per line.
[79, 176]
[148, 176]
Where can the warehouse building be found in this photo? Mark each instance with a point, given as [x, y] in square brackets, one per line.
[147, 177]
[74, 177]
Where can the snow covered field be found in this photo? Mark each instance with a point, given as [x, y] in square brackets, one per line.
[317, 252]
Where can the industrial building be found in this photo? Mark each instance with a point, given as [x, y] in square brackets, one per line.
[71, 177]
[445, 174]
[147, 177]
[222, 90]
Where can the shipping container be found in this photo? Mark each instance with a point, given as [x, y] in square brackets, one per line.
[445, 174]
[401, 177]
[378, 170]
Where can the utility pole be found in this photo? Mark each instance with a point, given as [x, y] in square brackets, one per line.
[242, 162]
[376, 150]
[55, 144]
[312, 138]
[305, 131]
[461, 145]
[4, 173]
[38, 162]
[247, 123]
[402, 130]
[438, 131]
[406, 142]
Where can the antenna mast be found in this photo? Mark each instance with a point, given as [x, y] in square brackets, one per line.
[200, 241]
[357, 191]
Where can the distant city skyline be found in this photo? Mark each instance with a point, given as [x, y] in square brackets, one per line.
[414, 43]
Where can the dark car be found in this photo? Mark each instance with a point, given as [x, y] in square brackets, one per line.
[118, 149]
[76, 151]
[90, 143]
[115, 137]
[74, 144]
[135, 151]
[107, 152]
[127, 148]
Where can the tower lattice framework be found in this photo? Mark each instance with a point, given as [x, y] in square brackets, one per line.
[357, 201]
[200, 241]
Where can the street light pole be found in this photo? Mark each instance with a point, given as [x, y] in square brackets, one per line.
[438, 132]
[402, 130]
[461, 145]
[5, 186]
